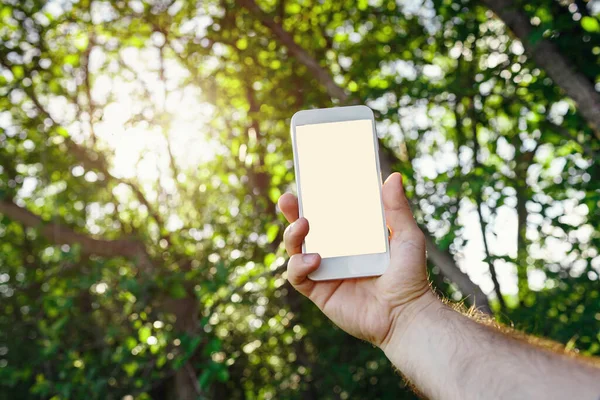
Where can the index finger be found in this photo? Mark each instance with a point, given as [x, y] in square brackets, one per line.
[288, 204]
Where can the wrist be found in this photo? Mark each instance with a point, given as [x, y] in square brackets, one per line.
[408, 317]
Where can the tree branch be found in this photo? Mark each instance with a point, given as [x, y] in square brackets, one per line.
[442, 259]
[561, 130]
[523, 161]
[92, 160]
[479, 200]
[164, 119]
[490, 262]
[87, 84]
[445, 262]
[322, 75]
[60, 234]
[79, 151]
[547, 55]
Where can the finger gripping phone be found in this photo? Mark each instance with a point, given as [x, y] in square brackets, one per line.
[339, 191]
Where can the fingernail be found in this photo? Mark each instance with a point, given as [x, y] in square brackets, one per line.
[310, 258]
[393, 174]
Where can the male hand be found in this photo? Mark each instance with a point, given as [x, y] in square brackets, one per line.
[368, 308]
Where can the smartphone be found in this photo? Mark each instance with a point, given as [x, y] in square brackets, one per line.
[339, 191]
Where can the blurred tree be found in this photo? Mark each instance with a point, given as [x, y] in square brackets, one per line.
[150, 267]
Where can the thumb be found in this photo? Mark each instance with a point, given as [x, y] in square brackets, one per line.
[398, 214]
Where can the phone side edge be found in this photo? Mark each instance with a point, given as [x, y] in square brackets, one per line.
[296, 157]
[380, 182]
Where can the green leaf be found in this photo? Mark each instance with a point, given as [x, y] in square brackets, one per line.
[222, 374]
[213, 346]
[57, 326]
[204, 378]
[62, 131]
[18, 71]
[272, 232]
[275, 64]
[130, 368]
[270, 259]
[72, 59]
[81, 41]
[130, 343]
[6, 12]
[274, 194]
[590, 24]
[190, 343]
[292, 8]
[242, 43]
[177, 291]
[144, 333]
[536, 35]
[42, 386]
[162, 360]
[136, 41]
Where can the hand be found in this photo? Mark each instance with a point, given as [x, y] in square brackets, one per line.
[367, 308]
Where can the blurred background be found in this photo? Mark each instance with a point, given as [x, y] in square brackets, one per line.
[144, 144]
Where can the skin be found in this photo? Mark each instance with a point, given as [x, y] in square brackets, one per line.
[443, 353]
[375, 302]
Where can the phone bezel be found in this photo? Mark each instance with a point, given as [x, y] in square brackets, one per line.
[345, 267]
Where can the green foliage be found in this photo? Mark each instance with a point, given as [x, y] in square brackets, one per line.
[203, 309]
[590, 24]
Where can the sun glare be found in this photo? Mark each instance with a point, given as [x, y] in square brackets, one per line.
[137, 134]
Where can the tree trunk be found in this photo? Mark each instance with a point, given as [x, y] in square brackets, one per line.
[491, 266]
[521, 236]
[184, 385]
[445, 262]
[558, 67]
[523, 161]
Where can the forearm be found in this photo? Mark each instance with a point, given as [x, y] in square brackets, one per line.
[446, 355]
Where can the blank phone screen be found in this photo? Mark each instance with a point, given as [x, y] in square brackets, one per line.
[339, 188]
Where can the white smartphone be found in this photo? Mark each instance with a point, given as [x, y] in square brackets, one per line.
[339, 191]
